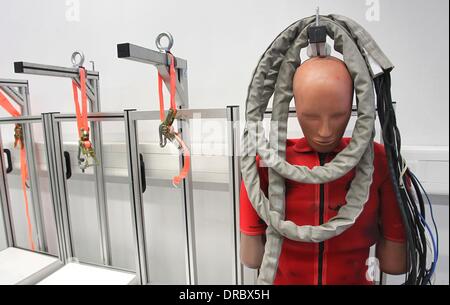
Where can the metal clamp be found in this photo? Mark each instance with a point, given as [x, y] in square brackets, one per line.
[18, 136]
[86, 154]
[317, 34]
[77, 59]
[166, 130]
[170, 42]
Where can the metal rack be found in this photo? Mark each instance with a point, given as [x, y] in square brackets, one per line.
[57, 167]
[162, 62]
[23, 266]
[93, 94]
[231, 115]
[18, 91]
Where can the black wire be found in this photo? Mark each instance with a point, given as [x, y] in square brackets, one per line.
[411, 205]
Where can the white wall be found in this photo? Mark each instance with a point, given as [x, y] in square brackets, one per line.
[222, 41]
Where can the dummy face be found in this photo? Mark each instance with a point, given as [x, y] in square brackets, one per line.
[323, 93]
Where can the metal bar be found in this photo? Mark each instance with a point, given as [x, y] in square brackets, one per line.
[18, 91]
[33, 174]
[94, 95]
[186, 114]
[5, 201]
[144, 115]
[147, 56]
[38, 69]
[13, 82]
[160, 60]
[20, 120]
[183, 114]
[57, 197]
[93, 116]
[15, 96]
[234, 184]
[136, 198]
[100, 178]
[187, 186]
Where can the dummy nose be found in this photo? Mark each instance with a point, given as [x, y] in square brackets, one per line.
[325, 130]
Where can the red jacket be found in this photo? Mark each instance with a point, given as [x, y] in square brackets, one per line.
[342, 259]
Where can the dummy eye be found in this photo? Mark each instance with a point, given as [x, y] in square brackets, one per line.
[310, 116]
[339, 115]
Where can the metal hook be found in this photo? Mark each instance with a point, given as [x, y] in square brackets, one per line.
[317, 16]
[77, 59]
[158, 42]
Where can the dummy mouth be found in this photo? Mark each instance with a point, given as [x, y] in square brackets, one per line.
[323, 143]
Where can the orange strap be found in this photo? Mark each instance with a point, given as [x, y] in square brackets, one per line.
[173, 81]
[173, 88]
[5, 104]
[81, 112]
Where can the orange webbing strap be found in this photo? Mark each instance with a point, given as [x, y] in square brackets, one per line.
[81, 112]
[187, 162]
[5, 104]
[173, 81]
[173, 88]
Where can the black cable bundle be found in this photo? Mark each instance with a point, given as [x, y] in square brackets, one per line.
[406, 186]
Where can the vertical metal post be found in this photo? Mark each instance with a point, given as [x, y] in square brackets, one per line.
[5, 201]
[33, 173]
[234, 187]
[58, 198]
[136, 200]
[102, 207]
[187, 186]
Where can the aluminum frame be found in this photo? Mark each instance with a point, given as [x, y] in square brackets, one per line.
[54, 146]
[28, 120]
[18, 91]
[162, 62]
[231, 115]
[93, 94]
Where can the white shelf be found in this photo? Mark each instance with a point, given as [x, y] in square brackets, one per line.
[22, 267]
[80, 274]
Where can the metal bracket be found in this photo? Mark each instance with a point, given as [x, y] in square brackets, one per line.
[162, 62]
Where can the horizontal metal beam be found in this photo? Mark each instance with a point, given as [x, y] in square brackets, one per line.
[20, 120]
[38, 69]
[161, 61]
[148, 56]
[202, 113]
[184, 114]
[92, 116]
[13, 82]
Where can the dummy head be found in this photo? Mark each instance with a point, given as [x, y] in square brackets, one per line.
[323, 93]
